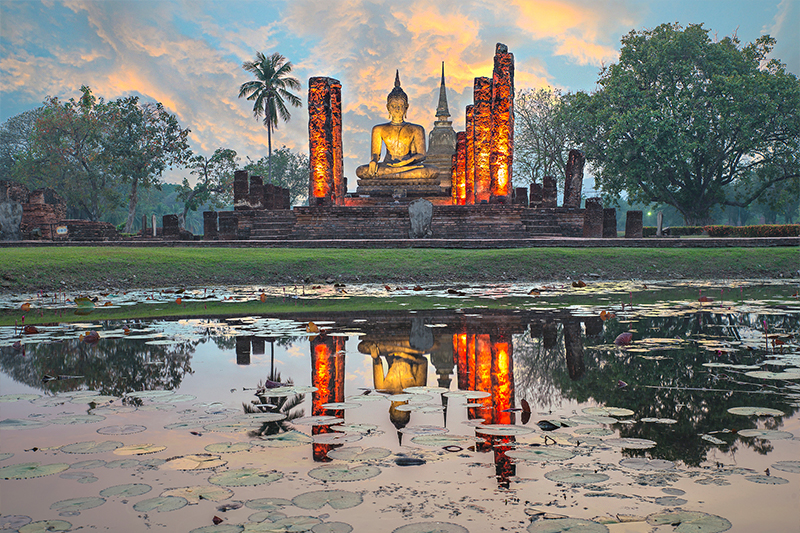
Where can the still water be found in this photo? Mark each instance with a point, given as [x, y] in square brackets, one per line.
[408, 421]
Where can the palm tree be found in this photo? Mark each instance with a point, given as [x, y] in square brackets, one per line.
[268, 92]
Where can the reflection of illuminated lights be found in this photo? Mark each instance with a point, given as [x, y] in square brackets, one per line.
[483, 368]
[482, 124]
[484, 364]
[325, 140]
[502, 383]
[327, 359]
[469, 176]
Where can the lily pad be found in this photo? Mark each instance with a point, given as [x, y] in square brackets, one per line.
[198, 461]
[468, 394]
[91, 447]
[284, 440]
[356, 454]
[594, 432]
[127, 429]
[317, 420]
[607, 411]
[14, 521]
[221, 528]
[4, 456]
[21, 423]
[767, 434]
[755, 411]
[767, 480]
[541, 454]
[631, 444]
[642, 463]
[73, 420]
[18, 397]
[363, 429]
[344, 473]
[712, 439]
[139, 449]
[127, 490]
[123, 463]
[332, 527]
[442, 441]
[652, 420]
[425, 390]
[431, 527]
[571, 525]
[340, 405]
[267, 504]
[338, 499]
[793, 467]
[576, 476]
[31, 470]
[77, 504]
[290, 523]
[503, 430]
[43, 526]
[690, 521]
[161, 504]
[194, 494]
[424, 430]
[591, 420]
[245, 477]
[670, 501]
[336, 438]
[228, 447]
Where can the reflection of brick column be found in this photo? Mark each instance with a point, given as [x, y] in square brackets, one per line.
[573, 346]
[325, 141]
[502, 123]
[459, 172]
[327, 375]
[482, 124]
[573, 184]
[469, 176]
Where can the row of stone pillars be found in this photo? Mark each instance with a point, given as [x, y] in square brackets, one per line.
[599, 222]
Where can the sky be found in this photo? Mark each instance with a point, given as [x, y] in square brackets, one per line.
[188, 54]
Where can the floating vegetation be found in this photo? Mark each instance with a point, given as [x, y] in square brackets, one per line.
[431, 527]
[317, 420]
[356, 454]
[767, 480]
[658, 420]
[220, 528]
[18, 397]
[162, 504]
[336, 438]
[424, 430]
[503, 430]
[198, 461]
[576, 476]
[443, 441]
[194, 494]
[73, 420]
[755, 411]
[245, 477]
[364, 429]
[14, 521]
[228, 447]
[332, 527]
[792, 467]
[21, 423]
[467, 394]
[127, 490]
[293, 523]
[541, 454]
[43, 526]
[593, 432]
[571, 525]
[607, 411]
[767, 434]
[631, 443]
[91, 447]
[74, 505]
[31, 470]
[267, 504]
[340, 405]
[337, 499]
[642, 463]
[139, 449]
[288, 439]
[670, 501]
[409, 461]
[690, 521]
[344, 472]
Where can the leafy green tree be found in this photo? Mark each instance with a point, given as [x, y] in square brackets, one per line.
[544, 133]
[679, 117]
[15, 140]
[269, 89]
[214, 186]
[289, 170]
[143, 141]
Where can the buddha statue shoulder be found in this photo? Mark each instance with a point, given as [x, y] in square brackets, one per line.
[404, 142]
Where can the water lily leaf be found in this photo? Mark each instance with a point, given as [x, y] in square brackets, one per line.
[161, 504]
[175, 398]
[221, 528]
[261, 417]
[424, 430]
[338, 499]
[406, 397]
[591, 420]
[336, 438]
[576, 476]
[77, 504]
[768, 434]
[198, 461]
[594, 432]
[792, 467]
[607, 411]
[228, 447]
[317, 420]
[344, 472]
[431, 527]
[127, 429]
[365, 398]
[194, 494]
[690, 521]
[123, 463]
[767, 480]
[364, 429]
[127, 490]
[14, 521]
[670, 501]
[631, 444]
[467, 394]
[150, 394]
[764, 374]
[712, 439]
[139, 449]
[73, 420]
[441, 441]
[4, 456]
[340, 405]
[642, 463]
[97, 399]
[267, 504]
[31, 470]
[332, 527]
[284, 440]
[659, 420]
[571, 525]
[43, 526]
[18, 397]
[425, 390]
[541, 453]
[291, 523]
[21, 423]
[504, 430]
[755, 411]
[245, 477]
[91, 447]
[355, 454]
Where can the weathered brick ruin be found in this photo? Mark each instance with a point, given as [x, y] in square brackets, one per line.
[326, 183]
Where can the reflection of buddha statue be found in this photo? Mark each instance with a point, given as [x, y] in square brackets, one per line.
[405, 145]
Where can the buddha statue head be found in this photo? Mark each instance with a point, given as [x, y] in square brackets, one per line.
[397, 101]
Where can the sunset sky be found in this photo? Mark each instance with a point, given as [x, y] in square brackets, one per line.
[188, 54]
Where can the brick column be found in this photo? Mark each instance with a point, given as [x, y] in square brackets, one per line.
[482, 124]
[573, 184]
[593, 218]
[633, 225]
[535, 198]
[549, 192]
[609, 223]
[469, 176]
[325, 141]
[460, 171]
[241, 190]
[502, 154]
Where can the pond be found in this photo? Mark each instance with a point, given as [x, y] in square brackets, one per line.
[669, 414]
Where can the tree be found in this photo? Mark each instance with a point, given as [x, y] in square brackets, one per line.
[544, 135]
[680, 117]
[290, 170]
[15, 140]
[214, 186]
[268, 91]
[143, 141]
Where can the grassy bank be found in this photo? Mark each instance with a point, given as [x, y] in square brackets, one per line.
[85, 268]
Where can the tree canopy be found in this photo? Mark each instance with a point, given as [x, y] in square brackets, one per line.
[214, 185]
[692, 122]
[289, 170]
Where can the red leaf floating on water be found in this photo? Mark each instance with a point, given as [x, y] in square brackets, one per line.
[263, 298]
[91, 337]
[623, 339]
[31, 330]
[217, 520]
[705, 299]
[25, 307]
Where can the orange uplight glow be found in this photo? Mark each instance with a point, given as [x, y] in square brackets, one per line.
[482, 133]
[483, 368]
[327, 359]
[459, 176]
[502, 122]
[325, 140]
[469, 176]
[502, 382]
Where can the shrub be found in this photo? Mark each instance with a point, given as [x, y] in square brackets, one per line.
[764, 230]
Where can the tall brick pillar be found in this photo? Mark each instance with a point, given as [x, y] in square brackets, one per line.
[549, 192]
[593, 218]
[502, 154]
[325, 142]
[459, 172]
[482, 125]
[241, 190]
[573, 184]
[469, 176]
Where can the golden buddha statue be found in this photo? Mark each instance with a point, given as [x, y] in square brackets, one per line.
[405, 145]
